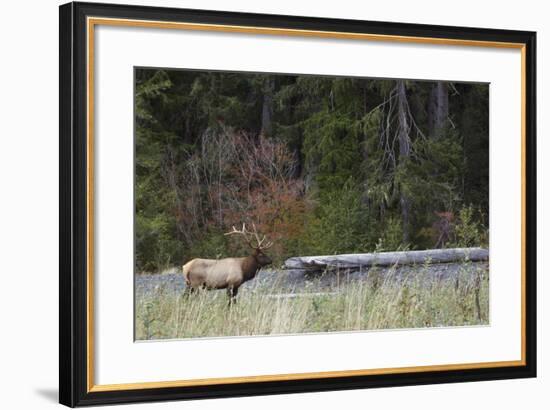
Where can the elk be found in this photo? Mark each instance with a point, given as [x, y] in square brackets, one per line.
[228, 273]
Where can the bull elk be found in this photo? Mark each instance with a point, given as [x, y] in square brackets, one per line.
[228, 273]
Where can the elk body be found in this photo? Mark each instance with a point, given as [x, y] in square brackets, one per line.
[228, 273]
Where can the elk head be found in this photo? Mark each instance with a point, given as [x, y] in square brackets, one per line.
[254, 241]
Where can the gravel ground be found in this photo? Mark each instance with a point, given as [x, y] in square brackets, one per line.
[294, 280]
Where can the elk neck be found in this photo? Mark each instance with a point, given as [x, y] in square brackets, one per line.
[250, 267]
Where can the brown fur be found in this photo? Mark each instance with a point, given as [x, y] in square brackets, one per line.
[228, 273]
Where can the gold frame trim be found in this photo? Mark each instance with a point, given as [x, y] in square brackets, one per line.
[94, 21]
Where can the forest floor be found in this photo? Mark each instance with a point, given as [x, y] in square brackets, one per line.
[283, 302]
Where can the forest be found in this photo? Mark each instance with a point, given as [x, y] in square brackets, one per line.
[321, 165]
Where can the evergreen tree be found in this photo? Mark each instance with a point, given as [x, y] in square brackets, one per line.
[324, 164]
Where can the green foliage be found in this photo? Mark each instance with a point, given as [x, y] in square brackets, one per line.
[328, 177]
[468, 230]
[332, 149]
[149, 90]
[156, 248]
[340, 223]
[391, 237]
[473, 122]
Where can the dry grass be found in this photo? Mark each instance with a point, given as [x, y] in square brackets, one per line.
[387, 302]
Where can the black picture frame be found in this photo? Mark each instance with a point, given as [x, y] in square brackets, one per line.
[73, 333]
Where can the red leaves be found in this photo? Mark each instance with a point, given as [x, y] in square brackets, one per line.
[238, 177]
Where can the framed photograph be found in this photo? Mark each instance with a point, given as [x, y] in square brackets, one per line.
[261, 204]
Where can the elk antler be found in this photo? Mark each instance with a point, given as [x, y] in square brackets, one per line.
[261, 246]
[243, 232]
[249, 236]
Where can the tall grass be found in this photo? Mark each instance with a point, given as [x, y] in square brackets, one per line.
[381, 301]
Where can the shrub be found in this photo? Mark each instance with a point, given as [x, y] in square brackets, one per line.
[469, 231]
[339, 224]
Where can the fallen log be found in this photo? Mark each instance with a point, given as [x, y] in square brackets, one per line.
[365, 260]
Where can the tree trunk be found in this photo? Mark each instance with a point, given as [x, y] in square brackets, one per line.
[404, 152]
[438, 108]
[267, 107]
